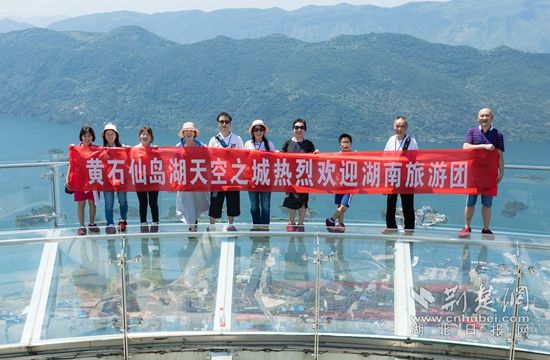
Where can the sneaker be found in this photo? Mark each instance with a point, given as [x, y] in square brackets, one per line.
[144, 228]
[290, 227]
[465, 232]
[81, 231]
[230, 227]
[93, 228]
[211, 227]
[154, 227]
[330, 224]
[122, 224]
[388, 231]
[299, 228]
[110, 229]
[487, 234]
[340, 228]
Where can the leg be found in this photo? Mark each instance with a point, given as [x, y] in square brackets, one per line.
[469, 210]
[303, 210]
[291, 216]
[216, 204]
[109, 198]
[341, 211]
[336, 214]
[154, 205]
[407, 200]
[265, 207]
[486, 214]
[345, 202]
[302, 215]
[92, 210]
[142, 198]
[468, 215]
[487, 202]
[233, 205]
[254, 206]
[123, 202]
[80, 211]
[391, 203]
[338, 202]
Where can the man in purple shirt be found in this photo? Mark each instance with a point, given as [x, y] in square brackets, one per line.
[488, 138]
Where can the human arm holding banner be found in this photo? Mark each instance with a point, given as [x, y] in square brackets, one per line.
[468, 146]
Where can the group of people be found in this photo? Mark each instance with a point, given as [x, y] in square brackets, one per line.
[190, 205]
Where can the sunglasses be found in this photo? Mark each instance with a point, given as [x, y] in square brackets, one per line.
[224, 122]
[299, 127]
[258, 129]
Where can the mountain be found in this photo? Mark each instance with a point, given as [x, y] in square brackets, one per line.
[519, 24]
[7, 25]
[356, 84]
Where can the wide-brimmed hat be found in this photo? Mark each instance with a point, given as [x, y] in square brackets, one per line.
[258, 123]
[189, 126]
[109, 126]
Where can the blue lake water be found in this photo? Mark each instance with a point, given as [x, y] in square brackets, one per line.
[26, 139]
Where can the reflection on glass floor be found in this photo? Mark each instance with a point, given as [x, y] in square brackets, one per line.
[429, 287]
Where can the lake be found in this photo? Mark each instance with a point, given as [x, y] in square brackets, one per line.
[28, 139]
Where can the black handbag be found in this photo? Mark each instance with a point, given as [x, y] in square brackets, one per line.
[68, 190]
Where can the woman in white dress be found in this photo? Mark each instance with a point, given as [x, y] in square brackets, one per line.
[191, 204]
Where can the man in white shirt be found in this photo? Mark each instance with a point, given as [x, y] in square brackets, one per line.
[225, 139]
[400, 142]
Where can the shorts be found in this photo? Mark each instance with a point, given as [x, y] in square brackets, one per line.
[233, 203]
[486, 201]
[83, 196]
[342, 199]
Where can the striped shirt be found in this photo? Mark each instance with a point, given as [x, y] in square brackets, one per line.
[476, 136]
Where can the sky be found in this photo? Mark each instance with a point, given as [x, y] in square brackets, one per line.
[69, 8]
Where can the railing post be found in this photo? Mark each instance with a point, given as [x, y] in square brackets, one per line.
[55, 195]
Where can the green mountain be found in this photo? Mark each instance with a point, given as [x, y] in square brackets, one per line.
[356, 84]
[7, 25]
[486, 24]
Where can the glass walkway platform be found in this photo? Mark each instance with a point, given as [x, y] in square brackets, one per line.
[271, 294]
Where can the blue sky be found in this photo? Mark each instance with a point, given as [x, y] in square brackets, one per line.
[45, 8]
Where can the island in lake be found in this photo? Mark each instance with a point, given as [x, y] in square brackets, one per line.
[511, 208]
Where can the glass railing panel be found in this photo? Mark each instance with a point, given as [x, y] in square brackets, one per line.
[274, 284]
[460, 290]
[523, 202]
[357, 286]
[85, 296]
[532, 296]
[26, 201]
[18, 265]
[172, 282]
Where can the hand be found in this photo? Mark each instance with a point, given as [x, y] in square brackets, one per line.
[499, 177]
[316, 151]
[490, 147]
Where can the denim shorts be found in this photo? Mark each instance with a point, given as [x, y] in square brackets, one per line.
[342, 199]
[486, 201]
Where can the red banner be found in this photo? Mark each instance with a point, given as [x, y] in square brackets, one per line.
[218, 169]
